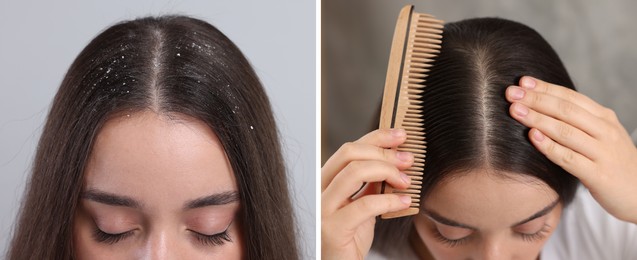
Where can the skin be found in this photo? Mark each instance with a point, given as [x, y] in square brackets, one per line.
[489, 215]
[573, 131]
[161, 180]
[347, 226]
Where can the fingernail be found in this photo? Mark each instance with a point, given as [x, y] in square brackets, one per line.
[528, 82]
[520, 110]
[516, 93]
[405, 178]
[405, 199]
[398, 132]
[538, 136]
[404, 156]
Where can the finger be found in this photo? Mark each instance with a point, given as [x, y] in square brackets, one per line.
[349, 181]
[370, 206]
[561, 132]
[385, 138]
[574, 163]
[558, 108]
[581, 100]
[350, 152]
[360, 151]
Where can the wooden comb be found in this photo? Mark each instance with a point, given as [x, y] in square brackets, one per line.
[416, 42]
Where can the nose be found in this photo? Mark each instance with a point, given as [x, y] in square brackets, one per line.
[157, 247]
[494, 249]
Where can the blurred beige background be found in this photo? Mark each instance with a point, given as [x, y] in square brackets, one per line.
[596, 40]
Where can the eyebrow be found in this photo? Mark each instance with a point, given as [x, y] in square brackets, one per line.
[540, 213]
[449, 222]
[112, 199]
[217, 199]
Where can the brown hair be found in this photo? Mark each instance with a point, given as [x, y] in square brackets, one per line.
[170, 64]
[466, 115]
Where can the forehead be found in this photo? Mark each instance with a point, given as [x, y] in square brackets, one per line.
[158, 159]
[488, 199]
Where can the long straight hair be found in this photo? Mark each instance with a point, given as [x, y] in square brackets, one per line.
[171, 65]
[466, 115]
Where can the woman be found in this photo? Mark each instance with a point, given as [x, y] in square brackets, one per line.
[153, 148]
[502, 162]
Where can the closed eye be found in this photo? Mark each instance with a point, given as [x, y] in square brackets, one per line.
[449, 242]
[214, 239]
[539, 235]
[108, 238]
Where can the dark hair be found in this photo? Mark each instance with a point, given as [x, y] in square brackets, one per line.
[466, 115]
[171, 65]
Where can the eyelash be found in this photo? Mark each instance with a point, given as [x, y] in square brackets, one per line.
[541, 234]
[108, 238]
[206, 240]
[449, 242]
[535, 236]
[213, 240]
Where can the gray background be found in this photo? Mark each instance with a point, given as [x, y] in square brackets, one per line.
[40, 39]
[597, 41]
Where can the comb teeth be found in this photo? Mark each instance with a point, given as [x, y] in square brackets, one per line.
[416, 42]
